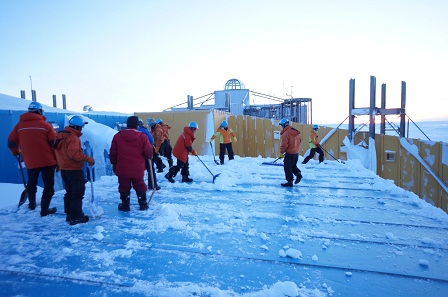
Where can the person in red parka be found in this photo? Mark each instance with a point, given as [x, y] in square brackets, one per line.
[128, 152]
[181, 149]
[71, 160]
[289, 149]
[33, 137]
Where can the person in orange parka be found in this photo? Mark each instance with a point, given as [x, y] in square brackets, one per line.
[224, 133]
[159, 137]
[314, 146]
[34, 138]
[71, 160]
[183, 147]
[289, 149]
[165, 149]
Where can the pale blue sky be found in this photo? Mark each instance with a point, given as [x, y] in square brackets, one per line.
[149, 55]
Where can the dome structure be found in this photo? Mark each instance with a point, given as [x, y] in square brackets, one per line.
[234, 84]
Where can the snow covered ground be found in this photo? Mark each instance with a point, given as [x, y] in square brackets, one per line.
[343, 231]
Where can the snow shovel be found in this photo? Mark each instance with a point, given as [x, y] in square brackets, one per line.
[24, 195]
[95, 209]
[213, 152]
[272, 163]
[151, 175]
[214, 176]
[332, 156]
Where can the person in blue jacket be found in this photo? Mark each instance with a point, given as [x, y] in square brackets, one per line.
[145, 131]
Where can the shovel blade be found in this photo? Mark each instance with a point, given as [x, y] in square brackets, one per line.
[23, 197]
[215, 176]
[96, 210]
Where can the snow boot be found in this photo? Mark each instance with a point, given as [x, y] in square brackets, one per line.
[45, 207]
[80, 220]
[160, 167]
[47, 212]
[142, 200]
[125, 204]
[157, 187]
[287, 184]
[298, 178]
[186, 179]
[169, 177]
[32, 200]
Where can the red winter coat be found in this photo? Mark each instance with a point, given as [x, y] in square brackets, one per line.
[183, 145]
[291, 140]
[68, 151]
[34, 136]
[128, 152]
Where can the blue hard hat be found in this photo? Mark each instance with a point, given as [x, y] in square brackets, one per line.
[151, 122]
[36, 106]
[284, 122]
[140, 121]
[193, 125]
[77, 122]
[315, 127]
[224, 124]
[159, 121]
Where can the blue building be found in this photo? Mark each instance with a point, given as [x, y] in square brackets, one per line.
[10, 110]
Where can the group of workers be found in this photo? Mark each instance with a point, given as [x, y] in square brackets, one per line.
[133, 150]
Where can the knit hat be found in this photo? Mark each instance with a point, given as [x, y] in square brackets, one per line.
[132, 122]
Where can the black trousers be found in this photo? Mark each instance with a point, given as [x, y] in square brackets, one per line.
[312, 153]
[166, 149]
[290, 166]
[47, 177]
[222, 151]
[75, 188]
[183, 167]
[158, 161]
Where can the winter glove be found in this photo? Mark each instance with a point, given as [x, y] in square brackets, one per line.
[280, 156]
[157, 149]
[90, 160]
[16, 153]
[234, 139]
[193, 152]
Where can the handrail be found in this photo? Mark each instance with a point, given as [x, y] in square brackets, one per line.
[193, 100]
[413, 150]
[418, 127]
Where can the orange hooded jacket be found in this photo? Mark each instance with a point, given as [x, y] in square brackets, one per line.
[290, 140]
[223, 134]
[68, 149]
[313, 142]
